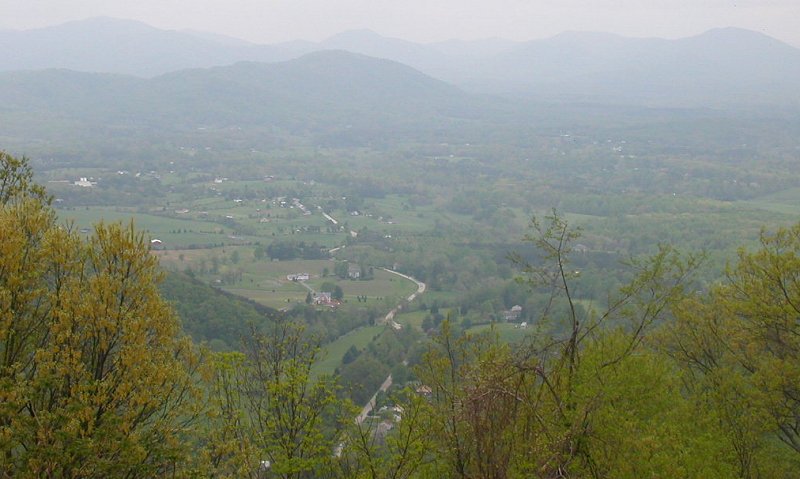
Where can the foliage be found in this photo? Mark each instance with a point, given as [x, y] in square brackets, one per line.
[16, 180]
[268, 408]
[542, 409]
[739, 345]
[96, 379]
[400, 453]
[212, 315]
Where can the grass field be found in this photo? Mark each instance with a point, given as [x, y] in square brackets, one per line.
[784, 202]
[175, 233]
[506, 332]
[332, 353]
[384, 285]
[415, 318]
[266, 281]
[280, 298]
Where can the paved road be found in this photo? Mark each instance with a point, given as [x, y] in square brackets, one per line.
[389, 318]
[420, 285]
[387, 383]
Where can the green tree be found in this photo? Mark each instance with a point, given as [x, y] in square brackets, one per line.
[270, 408]
[350, 355]
[337, 293]
[16, 181]
[740, 345]
[401, 453]
[536, 410]
[96, 379]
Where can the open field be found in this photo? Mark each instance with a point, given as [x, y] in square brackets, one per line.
[332, 353]
[783, 202]
[279, 298]
[384, 285]
[266, 281]
[174, 232]
[415, 318]
[506, 332]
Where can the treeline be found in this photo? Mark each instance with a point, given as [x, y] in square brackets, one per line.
[289, 249]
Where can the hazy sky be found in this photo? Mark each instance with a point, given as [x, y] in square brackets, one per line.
[269, 21]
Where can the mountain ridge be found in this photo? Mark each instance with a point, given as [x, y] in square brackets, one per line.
[715, 68]
[327, 87]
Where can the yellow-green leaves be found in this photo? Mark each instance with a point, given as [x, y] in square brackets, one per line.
[95, 380]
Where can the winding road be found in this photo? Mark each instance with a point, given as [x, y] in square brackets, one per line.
[389, 318]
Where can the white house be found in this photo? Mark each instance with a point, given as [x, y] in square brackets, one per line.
[85, 183]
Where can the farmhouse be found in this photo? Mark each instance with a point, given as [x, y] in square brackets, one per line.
[324, 299]
[353, 271]
[513, 314]
[85, 183]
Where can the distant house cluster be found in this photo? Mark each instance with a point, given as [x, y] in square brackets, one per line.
[324, 299]
[298, 277]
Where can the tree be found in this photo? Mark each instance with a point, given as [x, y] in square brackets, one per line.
[340, 269]
[740, 347]
[270, 408]
[16, 181]
[337, 293]
[350, 355]
[401, 453]
[538, 410]
[95, 378]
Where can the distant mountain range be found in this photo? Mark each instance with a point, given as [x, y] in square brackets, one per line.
[718, 68]
[107, 45]
[319, 91]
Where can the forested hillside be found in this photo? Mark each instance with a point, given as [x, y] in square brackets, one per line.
[211, 315]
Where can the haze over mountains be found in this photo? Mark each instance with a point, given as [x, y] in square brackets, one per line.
[718, 68]
[350, 96]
